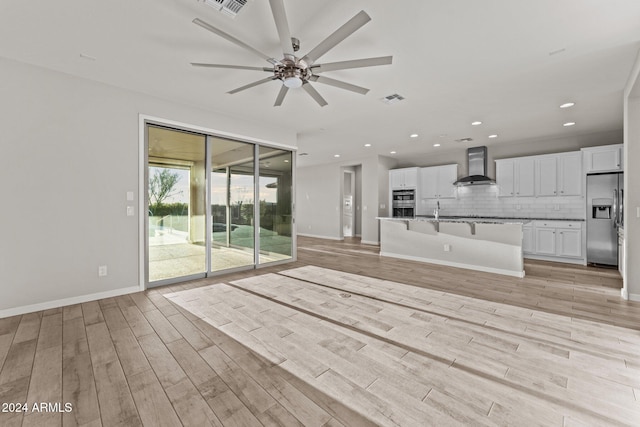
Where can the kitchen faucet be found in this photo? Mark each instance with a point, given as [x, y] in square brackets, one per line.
[436, 211]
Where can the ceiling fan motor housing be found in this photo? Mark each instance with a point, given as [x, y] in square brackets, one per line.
[293, 72]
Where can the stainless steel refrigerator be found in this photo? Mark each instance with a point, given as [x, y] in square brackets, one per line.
[604, 215]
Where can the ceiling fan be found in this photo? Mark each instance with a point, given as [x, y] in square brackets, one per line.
[293, 71]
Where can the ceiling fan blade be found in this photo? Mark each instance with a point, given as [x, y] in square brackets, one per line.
[340, 84]
[280, 16]
[235, 67]
[356, 63]
[339, 35]
[250, 85]
[234, 40]
[314, 94]
[281, 95]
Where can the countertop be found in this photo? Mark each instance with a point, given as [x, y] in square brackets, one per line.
[465, 220]
[482, 219]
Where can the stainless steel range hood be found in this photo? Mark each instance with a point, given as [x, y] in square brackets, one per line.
[477, 167]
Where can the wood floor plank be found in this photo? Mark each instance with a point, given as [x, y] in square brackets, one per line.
[46, 378]
[162, 326]
[152, 403]
[117, 407]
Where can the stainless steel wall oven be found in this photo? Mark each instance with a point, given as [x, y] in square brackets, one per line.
[404, 203]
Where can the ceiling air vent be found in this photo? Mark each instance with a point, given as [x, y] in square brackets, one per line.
[464, 140]
[392, 99]
[230, 7]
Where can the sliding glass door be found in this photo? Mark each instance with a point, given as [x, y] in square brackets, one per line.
[212, 207]
[275, 193]
[176, 209]
[232, 204]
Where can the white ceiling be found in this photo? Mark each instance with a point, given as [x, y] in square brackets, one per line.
[455, 61]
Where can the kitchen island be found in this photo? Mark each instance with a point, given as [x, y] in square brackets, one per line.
[486, 244]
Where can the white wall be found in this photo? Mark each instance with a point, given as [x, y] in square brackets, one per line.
[318, 201]
[318, 197]
[632, 183]
[69, 155]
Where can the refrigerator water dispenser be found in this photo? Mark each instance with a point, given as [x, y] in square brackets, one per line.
[601, 208]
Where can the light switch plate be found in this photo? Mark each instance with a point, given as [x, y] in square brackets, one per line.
[131, 211]
[129, 196]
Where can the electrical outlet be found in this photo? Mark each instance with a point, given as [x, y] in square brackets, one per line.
[102, 271]
[447, 247]
[518, 207]
[131, 211]
[556, 207]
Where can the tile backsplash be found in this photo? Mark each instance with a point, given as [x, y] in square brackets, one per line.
[483, 200]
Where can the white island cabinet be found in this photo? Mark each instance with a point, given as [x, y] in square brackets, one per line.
[489, 245]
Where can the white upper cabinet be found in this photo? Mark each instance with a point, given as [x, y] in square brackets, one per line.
[515, 177]
[436, 182]
[400, 179]
[547, 176]
[525, 172]
[570, 174]
[607, 158]
[505, 177]
[559, 174]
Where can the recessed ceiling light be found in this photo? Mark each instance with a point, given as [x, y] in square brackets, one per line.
[476, 123]
[336, 155]
[493, 136]
[392, 152]
[413, 135]
[367, 145]
[568, 104]
[569, 124]
[436, 145]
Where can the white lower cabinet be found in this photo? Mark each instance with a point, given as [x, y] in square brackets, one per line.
[569, 242]
[553, 240]
[545, 241]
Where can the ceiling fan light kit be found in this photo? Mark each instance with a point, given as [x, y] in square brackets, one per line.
[295, 72]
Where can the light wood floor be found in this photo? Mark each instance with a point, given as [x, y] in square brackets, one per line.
[141, 359]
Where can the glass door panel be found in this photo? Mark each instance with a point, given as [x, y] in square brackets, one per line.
[232, 204]
[275, 195]
[176, 208]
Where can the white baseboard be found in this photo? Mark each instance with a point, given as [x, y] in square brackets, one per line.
[624, 294]
[519, 274]
[317, 236]
[370, 242]
[66, 301]
[579, 261]
[634, 297]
